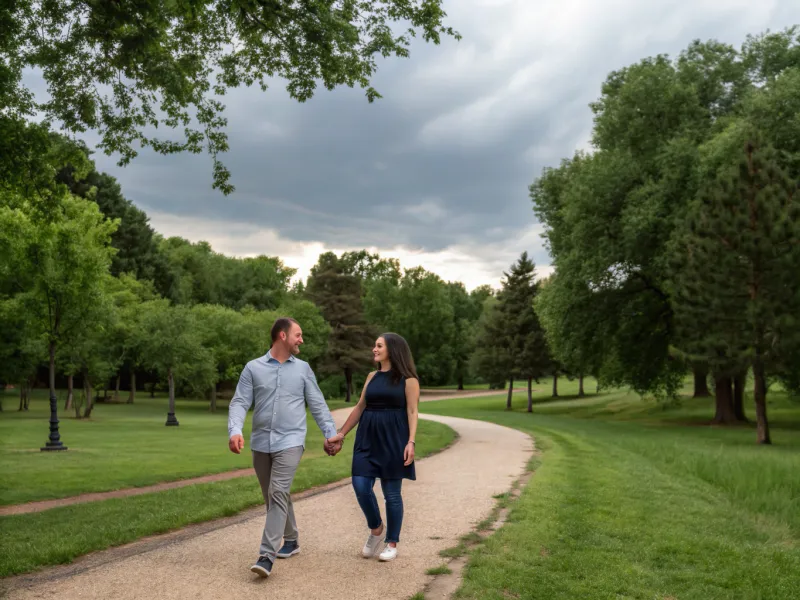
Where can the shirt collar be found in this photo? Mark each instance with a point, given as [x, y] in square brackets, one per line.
[269, 357]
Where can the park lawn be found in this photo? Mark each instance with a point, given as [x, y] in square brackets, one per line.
[121, 446]
[626, 505]
[59, 535]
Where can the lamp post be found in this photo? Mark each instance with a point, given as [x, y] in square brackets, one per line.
[54, 443]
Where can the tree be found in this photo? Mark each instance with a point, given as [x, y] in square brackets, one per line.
[170, 343]
[67, 254]
[220, 330]
[21, 350]
[338, 296]
[492, 357]
[610, 216]
[745, 222]
[466, 312]
[93, 352]
[566, 310]
[134, 238]
[527, 347]
[126, 69]
[423, 314]
[193, 273]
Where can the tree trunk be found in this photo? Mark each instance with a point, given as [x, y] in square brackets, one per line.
[724, 400]
[460, 383]
[70, 392]
[132, 393]
[22, 390]
[171, 420]
[530, 394]
[153, 390]
[700, 373]
[760, 394]
[348, 380]
[212, 396]
[116, 391]
[87, 385]
[510, 392]
[738, 396]
[555, 385]
[581, 393]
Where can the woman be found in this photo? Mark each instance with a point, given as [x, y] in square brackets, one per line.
[386, 416]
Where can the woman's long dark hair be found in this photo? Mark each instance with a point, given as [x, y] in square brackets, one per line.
[400, 357]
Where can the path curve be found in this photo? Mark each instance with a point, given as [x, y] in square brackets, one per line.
[453, 492]
[41, 505]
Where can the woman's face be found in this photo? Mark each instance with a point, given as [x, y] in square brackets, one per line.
[379, 351]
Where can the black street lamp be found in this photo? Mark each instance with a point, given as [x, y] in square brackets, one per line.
[54, 443]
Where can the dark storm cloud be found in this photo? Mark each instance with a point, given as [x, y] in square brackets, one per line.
[446, 157]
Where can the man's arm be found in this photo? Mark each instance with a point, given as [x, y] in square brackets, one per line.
[237, 410]
[316, 403]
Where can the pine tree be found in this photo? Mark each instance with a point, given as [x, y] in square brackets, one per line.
[338, 296]
[528, 351]
[742, 312]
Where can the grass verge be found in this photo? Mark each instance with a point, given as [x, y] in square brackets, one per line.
[627, 504]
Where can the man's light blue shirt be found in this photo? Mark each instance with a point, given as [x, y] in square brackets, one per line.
[280, 392]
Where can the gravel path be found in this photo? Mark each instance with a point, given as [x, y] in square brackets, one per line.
[453, 492]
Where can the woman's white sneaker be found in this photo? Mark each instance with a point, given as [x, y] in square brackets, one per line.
[372, 546]
[389, 553]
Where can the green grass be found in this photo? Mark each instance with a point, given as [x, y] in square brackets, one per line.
[632, 500]
[440, 570]
[121, 446]
[467, 387]
[61, 534]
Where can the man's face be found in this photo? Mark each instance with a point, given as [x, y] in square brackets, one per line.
[294, 338]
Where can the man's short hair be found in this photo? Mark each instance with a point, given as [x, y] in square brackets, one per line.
[282, 324]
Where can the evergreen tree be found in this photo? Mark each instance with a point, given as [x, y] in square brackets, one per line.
[528, 351]
[742, 313]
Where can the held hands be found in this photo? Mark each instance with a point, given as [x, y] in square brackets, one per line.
[236, 443]
[334, 445]
[408, 454]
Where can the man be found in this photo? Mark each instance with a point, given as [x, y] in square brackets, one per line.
[280, 385]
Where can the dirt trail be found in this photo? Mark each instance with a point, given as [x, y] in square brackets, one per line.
[454, 491]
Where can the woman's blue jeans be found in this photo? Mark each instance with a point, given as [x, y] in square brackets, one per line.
[369, 504]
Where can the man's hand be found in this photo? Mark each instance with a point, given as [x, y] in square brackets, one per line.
[333, 445]
[236, 443]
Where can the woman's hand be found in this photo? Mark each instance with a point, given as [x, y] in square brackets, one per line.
[408, 454]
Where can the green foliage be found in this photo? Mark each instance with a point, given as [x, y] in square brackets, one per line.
[492, 359]
[338, 295]
[743, 312]
[662, 128]
[193, 273]
[126, 70]
[510, 340]
[169, 340]
[530, 356]
[133, 239]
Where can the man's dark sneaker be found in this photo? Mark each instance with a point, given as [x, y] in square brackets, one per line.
[263, 566]
[289, 549]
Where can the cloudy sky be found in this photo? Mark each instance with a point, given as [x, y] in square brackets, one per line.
[437, 172]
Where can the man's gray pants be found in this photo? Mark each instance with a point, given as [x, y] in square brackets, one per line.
[275, 472]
